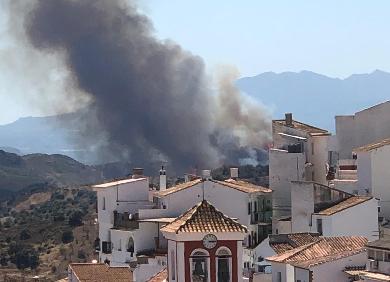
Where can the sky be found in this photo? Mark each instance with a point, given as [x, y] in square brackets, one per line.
[335, 38]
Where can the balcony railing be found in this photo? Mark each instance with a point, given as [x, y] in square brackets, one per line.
[125, 221]
[261, 217]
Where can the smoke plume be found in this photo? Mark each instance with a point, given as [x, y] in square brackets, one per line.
[150, 99]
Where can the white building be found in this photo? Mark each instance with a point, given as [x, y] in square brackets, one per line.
[299, 152]
[130, 216]
[324, 259]
[373, 173]
[364, 127]
[378, 263]
[330, 212]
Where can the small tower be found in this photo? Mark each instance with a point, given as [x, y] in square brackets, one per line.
[163, 179]
[204, 245]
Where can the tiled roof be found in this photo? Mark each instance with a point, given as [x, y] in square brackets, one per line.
[239, 185]
[243, 186]
[284, 242]
[323, 250]
[347, 203]
[161, 276]
[178, 188]
[383, 244]
[373, 146]
[302, 126]
[117, 182]
[100, 272]
[204, 217]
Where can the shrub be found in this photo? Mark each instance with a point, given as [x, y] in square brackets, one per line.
[25, 234]
[67, 237]
[75, 219]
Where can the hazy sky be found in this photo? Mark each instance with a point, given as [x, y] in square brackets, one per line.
[332, 37]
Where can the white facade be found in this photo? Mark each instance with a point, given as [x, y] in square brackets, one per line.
[358, 220]
[374, 176]
[364, 127]
[300, 152]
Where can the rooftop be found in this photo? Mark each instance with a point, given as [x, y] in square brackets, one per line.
[240, 185]
[117, 182]
[284, 242]
[368, 274]
[178, 188]
[243, 186]
[323, 250]
[99, 272]
[373, 146]
[204, 217]
[345, 204]
[158, 220]
[383, 244]
[161, 276]
[302, 126]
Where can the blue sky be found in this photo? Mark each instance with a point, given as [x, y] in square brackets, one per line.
[335, 38]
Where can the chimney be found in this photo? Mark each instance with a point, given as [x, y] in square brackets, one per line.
[206, 174]
[289, 119]
[163, 179]
[138, 173]
[234, 173]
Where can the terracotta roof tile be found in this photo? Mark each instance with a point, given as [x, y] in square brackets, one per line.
[239, 185]
[301, 126]
[284, 242]
[373, 146]
[323, 250]
[178, 188]
[347, 203]
[100, 272]
[243, 186]
[161, 276]
[204, 217]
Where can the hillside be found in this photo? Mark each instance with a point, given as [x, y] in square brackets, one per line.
[314, 98]
[36, 171]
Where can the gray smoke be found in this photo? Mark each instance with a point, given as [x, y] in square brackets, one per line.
[151, 99]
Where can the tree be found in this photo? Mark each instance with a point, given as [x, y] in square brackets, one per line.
[75, 219]
[26, 257]
[25, 234]
[67, 237]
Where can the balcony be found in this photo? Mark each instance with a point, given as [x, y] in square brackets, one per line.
[125, 221]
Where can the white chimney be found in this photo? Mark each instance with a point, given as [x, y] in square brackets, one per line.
[234, 172]
[163, 179]
[206, 174]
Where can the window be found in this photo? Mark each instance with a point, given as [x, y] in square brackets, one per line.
[371, 254]
[200, 265]
[104, 203]
[279, 277]
[249, 208]
[312, 148]
[223, 264]
[173, 265]
[130, 246]
[120, 245]
[319, 225]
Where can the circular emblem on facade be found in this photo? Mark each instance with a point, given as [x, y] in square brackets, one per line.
[209, 241]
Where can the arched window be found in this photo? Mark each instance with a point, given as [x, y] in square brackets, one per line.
[200, 266]
[130, 246]
[223, 265]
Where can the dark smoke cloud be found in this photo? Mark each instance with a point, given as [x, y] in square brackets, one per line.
[151, 99]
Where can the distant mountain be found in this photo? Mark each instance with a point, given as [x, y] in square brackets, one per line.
[314, 98]
[39, 170]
